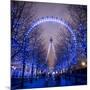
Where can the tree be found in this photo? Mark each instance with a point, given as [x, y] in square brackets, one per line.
[63, 47]
[21, 18]
[37, 49]
[79, 17]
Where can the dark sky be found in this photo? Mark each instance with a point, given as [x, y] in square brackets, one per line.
[52, 29]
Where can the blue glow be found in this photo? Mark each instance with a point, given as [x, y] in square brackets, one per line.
[59, 21]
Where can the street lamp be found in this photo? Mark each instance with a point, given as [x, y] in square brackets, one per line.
[83, 63]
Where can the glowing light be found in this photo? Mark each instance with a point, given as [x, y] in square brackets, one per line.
[48, 73]
[63, 70]
[56, 72]
[51, 19]
[53, 73]
[13, 67]
[83, 63]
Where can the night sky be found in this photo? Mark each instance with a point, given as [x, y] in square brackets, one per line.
[51, 29]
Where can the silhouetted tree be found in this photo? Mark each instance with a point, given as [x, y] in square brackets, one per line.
[21, 17]
[79, 16]
[63, 49]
